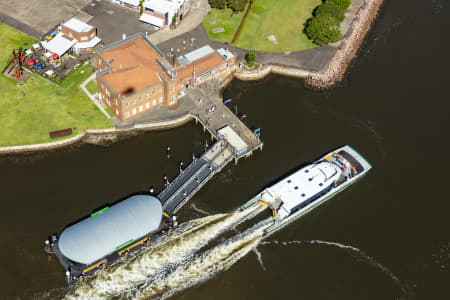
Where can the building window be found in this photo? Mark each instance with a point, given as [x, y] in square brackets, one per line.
[171, 88]
[147, 105]
[117, 112]
[93, 34]
[154, 102]
[153, 92]
[140, 99]
[70, 34]
[147, 95]
[134, 111]
[84, 38]
[127, 114]
[134, 101]
[140, 107]
[126, 104]
[160, 90]
[160, 99]
[171, 100]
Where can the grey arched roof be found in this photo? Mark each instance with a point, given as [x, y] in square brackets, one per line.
[95, 237]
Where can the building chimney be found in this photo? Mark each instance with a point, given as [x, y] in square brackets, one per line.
[124, 36]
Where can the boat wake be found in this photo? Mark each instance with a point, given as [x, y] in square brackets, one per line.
[406, 291]
[202, 266]
[169, 253]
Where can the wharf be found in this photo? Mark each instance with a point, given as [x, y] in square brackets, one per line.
[234, 140]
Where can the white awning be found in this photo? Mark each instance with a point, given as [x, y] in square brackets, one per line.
[152, 20]
[59, 44]
[233, 139]
[90, 44]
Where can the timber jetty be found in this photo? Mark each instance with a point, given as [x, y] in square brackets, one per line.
[234, 140]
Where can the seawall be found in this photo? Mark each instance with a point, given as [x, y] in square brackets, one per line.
[338, 65]
[96, 136]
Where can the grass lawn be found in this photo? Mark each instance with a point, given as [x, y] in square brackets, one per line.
[45, 107]
[282, 18]
[224, 18]
[92, 87]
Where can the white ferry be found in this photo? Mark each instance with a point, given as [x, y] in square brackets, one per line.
[310, 186]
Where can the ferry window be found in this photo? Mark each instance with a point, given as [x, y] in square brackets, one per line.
[289, 181]
[303, 195]
[306, 171]
[310, 179]
[321, 184]
[296, 187]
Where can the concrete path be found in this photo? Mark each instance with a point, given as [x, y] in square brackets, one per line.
[93, 97]
[199, 9]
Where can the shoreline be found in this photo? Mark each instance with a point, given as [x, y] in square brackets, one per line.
[95, 137]
[338, 65]
[332, 75]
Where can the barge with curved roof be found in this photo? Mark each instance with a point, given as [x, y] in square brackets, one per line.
[310, 186]
[108, 234]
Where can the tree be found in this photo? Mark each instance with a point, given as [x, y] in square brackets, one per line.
[250, 57]
[221, 4]
[174, 21]
[344, 4]
[332, 9]
[237, 5]
[141, 6]
[323, 29]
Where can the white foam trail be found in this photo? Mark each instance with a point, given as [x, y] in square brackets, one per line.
[203, 266]
[185, 240]
[366, 258]
[259, 257]
[200, 210]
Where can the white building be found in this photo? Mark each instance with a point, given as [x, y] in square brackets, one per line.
[134, 4]
[160, 13]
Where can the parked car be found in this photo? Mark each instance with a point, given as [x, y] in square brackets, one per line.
[39, 67]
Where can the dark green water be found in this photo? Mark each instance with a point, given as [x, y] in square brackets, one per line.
[393, 107]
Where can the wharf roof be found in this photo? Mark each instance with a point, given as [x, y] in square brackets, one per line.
[77, 25]
[134, 66]
[100, 235]
[233, 139]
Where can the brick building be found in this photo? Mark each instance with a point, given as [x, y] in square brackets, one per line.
[85, 34]
[134, 76]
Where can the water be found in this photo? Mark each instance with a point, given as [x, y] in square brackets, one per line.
[392, 107]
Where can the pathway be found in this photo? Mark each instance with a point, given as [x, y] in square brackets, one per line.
[93, 97]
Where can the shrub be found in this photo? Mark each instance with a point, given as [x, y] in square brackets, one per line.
[250, 57]
[332, 9]
[323, 29]
[344, 4]
[237, 5]
[221, 4]
[174, 21]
